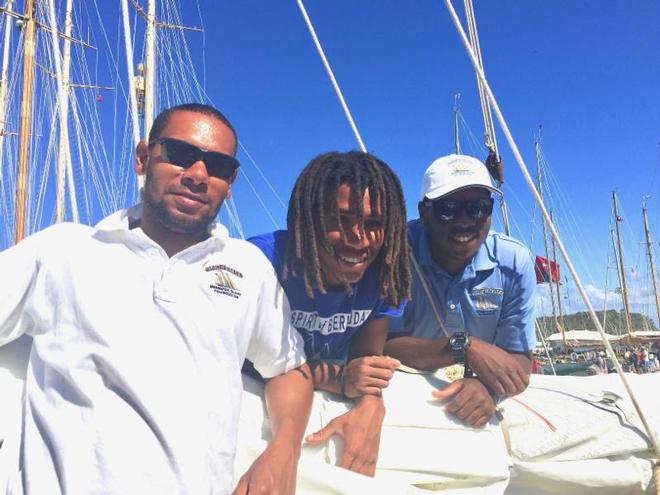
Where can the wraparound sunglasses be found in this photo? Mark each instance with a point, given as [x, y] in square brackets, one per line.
[183, 154]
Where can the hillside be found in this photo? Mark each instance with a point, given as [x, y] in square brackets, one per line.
[615, 322]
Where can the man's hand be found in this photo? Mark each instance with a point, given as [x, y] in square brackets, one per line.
[274, 471]
[503, 372]
[360, 429]
[469, 400]
[368, 375]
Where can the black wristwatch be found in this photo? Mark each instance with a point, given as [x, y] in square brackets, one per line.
[459, 343]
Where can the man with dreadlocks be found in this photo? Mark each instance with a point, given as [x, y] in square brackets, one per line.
[343, 263]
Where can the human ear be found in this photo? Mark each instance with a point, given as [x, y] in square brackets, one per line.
[423, 213]
[141, 157]
[230, 181]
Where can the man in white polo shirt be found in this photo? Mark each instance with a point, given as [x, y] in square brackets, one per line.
[482, 284]
[140, 326]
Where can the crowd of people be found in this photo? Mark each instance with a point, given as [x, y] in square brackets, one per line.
[143, 324]
[641, 359]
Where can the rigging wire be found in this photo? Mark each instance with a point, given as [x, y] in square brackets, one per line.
[331, 75]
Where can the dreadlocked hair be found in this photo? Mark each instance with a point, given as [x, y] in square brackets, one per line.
[314, 198]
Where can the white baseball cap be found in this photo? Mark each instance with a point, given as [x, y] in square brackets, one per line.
[452, 173]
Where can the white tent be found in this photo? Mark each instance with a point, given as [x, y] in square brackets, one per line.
[580, 338]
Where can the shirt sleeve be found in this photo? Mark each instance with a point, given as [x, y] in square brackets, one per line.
[276, 346]
[515, 329]
[19, 266]
[384, 309]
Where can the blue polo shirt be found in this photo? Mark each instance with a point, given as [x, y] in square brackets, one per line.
[491, 299]
[328, 322]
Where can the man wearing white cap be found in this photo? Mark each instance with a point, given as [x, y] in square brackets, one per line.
[482, 284]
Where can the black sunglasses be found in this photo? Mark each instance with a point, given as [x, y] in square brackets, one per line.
[184, 154]
[446, 209]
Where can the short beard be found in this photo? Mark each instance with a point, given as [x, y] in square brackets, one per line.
[182, 225]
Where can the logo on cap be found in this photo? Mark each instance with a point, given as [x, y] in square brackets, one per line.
[461, 169]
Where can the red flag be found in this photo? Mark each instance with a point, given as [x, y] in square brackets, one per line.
[546, 270]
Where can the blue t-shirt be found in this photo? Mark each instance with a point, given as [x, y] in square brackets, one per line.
[328, 321]
[493, 298]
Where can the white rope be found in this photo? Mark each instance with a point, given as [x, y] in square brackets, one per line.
[328, 69]
[545, 347]
[549, 223]
[429, 296]
[489, 127]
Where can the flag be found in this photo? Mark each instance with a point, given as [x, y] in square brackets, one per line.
[546, 270]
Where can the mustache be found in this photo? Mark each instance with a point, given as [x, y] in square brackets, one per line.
[464, 231]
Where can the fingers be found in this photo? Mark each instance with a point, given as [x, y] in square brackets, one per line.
[448, 391]
[470, 402]
[242, 487]
[384, 362]
[324, 434]
[511, 382]
[373, 390]
[353, 462]
[368, 375]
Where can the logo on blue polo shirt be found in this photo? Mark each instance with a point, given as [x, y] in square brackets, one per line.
[486, 299]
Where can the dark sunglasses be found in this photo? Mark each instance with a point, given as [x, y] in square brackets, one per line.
[184, 154]
[447, 209]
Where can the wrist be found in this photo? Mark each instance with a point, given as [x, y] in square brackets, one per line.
[328, 376]
[493, 395]
[287, 442]
[458, 346]
[342, 382]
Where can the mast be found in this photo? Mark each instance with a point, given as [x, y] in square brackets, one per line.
[150, 69]
[617, 262]
[649, 247]
[4, 80]
[62, 68]
[537, 152]
[490, 140]
[607, 273]
[457, 142]
[128, 45]
[622, 274]
[66, 70]
[25, 121]
[558, 284]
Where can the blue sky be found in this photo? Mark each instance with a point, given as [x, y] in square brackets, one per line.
[587, 71]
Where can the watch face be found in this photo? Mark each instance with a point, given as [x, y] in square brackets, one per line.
[458, 341]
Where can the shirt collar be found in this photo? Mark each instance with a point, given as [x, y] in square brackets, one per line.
[118, 225]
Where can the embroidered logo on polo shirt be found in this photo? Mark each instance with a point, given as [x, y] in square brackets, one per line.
[486, 299]
[224, 280]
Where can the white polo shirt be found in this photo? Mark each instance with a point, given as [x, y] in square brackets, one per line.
[134, 383]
